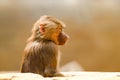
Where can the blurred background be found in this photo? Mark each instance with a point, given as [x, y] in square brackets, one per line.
[93, 27]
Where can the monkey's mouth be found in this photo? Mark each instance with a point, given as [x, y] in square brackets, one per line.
[62, 39]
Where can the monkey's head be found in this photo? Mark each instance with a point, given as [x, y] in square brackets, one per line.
[50, 28]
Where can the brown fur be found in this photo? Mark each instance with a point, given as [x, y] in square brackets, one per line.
[41, 52]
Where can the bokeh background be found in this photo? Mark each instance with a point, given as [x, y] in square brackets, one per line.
[93, 27]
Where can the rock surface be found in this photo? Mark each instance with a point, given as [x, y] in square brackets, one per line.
[68, 76]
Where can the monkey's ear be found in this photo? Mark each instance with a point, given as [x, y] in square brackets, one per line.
[42, 28]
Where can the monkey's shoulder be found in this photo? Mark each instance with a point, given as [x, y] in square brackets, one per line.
[36, 45]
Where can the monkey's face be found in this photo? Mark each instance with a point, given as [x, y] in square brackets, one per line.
[59, 36]
[51, 28]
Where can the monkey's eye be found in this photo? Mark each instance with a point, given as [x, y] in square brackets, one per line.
[59, 28]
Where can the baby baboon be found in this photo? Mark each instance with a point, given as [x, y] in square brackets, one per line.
[41, 52]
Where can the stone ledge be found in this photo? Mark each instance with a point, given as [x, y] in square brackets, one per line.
[68, 76]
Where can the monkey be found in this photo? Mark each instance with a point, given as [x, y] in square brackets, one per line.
[41, 52]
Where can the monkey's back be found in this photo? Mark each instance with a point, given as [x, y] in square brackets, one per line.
[40, 57]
